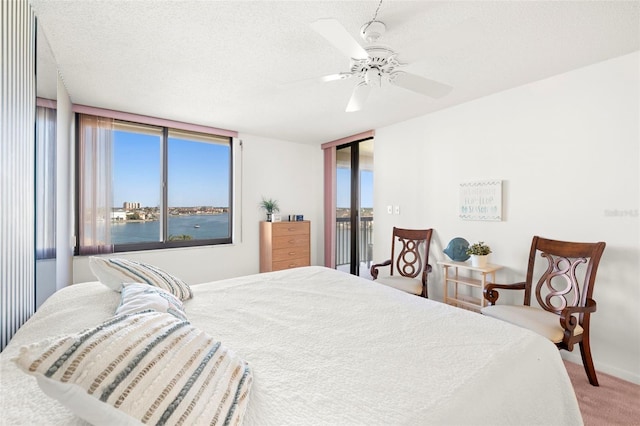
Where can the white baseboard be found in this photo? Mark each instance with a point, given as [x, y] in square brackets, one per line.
[607, 369]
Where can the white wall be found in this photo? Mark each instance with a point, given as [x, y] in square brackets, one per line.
[65, 142]
[288, 172]
[54, 274]
[566, 149]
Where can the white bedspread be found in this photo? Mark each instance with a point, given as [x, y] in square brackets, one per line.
[329, 348]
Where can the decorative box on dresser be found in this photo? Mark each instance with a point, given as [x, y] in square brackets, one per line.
[284, 245]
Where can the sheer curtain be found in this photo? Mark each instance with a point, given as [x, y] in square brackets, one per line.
[95, 195]
[45, 183]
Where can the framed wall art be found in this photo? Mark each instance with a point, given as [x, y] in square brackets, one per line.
[481, 200]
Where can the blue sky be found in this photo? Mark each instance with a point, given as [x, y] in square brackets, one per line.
[344, 188]
[192, 167]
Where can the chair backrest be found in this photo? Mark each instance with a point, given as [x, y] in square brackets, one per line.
[567, 274]
[411, 256]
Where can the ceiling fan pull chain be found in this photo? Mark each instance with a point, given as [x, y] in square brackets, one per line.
[375, 17]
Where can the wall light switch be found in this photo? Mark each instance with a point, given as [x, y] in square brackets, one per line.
[396, 209]
[389, 209]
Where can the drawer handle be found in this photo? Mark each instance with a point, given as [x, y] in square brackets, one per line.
[291, 229]
[291, 253]
[292, 265]
[292, 241]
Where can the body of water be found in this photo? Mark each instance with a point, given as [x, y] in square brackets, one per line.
[197, 226]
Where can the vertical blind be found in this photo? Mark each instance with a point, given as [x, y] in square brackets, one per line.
[17, 193]
[45, 183]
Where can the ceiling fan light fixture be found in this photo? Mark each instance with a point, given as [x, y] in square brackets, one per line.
[373, 77]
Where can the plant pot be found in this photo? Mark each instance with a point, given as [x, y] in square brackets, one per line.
[479, 261]
[269, 217]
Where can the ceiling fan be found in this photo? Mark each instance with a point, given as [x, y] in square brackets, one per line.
[373, 64]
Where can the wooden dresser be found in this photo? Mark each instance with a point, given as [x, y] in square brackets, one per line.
[284, 245]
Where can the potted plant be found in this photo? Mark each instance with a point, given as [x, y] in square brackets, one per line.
[270, 206]
[479, 253]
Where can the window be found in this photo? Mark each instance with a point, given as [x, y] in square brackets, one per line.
[199, 187]
[164, 187]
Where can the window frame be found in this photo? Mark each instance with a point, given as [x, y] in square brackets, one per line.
[166, 127]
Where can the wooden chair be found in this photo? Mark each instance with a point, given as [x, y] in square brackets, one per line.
[409, 261]
[564, 292]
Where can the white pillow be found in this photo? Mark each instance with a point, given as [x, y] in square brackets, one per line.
[138, 297]
[149, 367]
[114, 272]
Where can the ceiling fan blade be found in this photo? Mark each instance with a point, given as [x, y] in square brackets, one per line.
[337, 35]
[358, 97]
[309, 81]
[421, 85]
[335, 77]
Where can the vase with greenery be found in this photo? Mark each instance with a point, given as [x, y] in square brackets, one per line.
[479, 253]
[270, 206]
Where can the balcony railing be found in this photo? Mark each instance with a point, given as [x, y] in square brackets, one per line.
[343, 240]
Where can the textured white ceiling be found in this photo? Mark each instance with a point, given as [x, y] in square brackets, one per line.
[229, 64]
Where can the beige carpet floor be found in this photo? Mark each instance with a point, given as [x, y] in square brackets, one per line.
[614, 402]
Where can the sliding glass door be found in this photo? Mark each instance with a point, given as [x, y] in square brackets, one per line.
[354, 207]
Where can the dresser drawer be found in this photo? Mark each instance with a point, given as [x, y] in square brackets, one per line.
[288, 264]
[290, 228]
[290, 253]
[289, 241]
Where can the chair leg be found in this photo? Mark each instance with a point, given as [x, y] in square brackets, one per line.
[585, 352]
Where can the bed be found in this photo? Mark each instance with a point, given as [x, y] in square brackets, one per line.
[325, 347]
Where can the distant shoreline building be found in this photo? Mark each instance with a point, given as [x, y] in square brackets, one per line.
[130, 206]
[118, 215]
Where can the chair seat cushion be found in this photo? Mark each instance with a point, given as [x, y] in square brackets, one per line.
[408, 285]
[538, 320]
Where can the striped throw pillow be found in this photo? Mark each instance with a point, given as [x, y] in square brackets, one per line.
[149, 367]
[138, 297]
[114, 272]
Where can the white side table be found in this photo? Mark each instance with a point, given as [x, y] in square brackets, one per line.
[473, 277]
